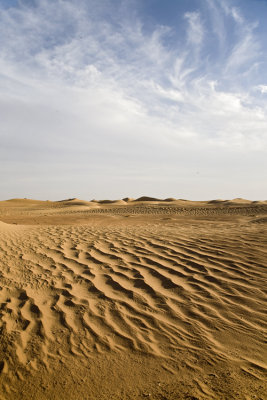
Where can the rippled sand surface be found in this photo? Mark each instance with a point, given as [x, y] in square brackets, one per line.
[156, 300]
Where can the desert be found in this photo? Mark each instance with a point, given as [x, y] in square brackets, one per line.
[133, 299]
[133, 200]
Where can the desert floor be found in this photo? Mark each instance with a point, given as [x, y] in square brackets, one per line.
[128, 299]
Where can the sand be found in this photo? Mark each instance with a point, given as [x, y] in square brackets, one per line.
[133, 299]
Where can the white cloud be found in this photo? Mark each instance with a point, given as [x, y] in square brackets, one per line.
[195, 32]
[245, 51]
[262, 88]
[218, 23]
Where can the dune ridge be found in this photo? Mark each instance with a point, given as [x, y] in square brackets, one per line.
[25, 211]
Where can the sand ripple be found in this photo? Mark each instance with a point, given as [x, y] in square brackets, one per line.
[188, 295]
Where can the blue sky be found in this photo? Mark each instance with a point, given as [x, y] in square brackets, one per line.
[116, 98]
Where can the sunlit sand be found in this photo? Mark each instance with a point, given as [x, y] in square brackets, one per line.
[133, 299]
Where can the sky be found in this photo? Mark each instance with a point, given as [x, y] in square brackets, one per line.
[107, 99]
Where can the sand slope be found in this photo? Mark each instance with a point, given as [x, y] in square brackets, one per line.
[128, 308]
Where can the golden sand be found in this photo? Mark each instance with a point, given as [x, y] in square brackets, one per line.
[133, 299]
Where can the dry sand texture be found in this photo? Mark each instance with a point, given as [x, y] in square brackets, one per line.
[133, 300]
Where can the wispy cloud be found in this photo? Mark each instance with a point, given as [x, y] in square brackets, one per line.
[262, 88]
[88, 84]
[195, 31]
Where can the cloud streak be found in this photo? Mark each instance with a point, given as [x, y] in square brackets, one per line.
[195, 32]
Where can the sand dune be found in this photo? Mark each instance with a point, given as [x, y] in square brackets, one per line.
[147, 198]
[74, 202]
[160, 305]
[119, 202]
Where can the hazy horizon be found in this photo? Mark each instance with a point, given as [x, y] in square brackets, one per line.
[124, 98]
[92, 199]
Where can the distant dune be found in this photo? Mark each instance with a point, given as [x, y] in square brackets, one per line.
[127, 199]
[75, 202]
[217, 201]
[26, 211]
[146, 198]
[119, 202]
